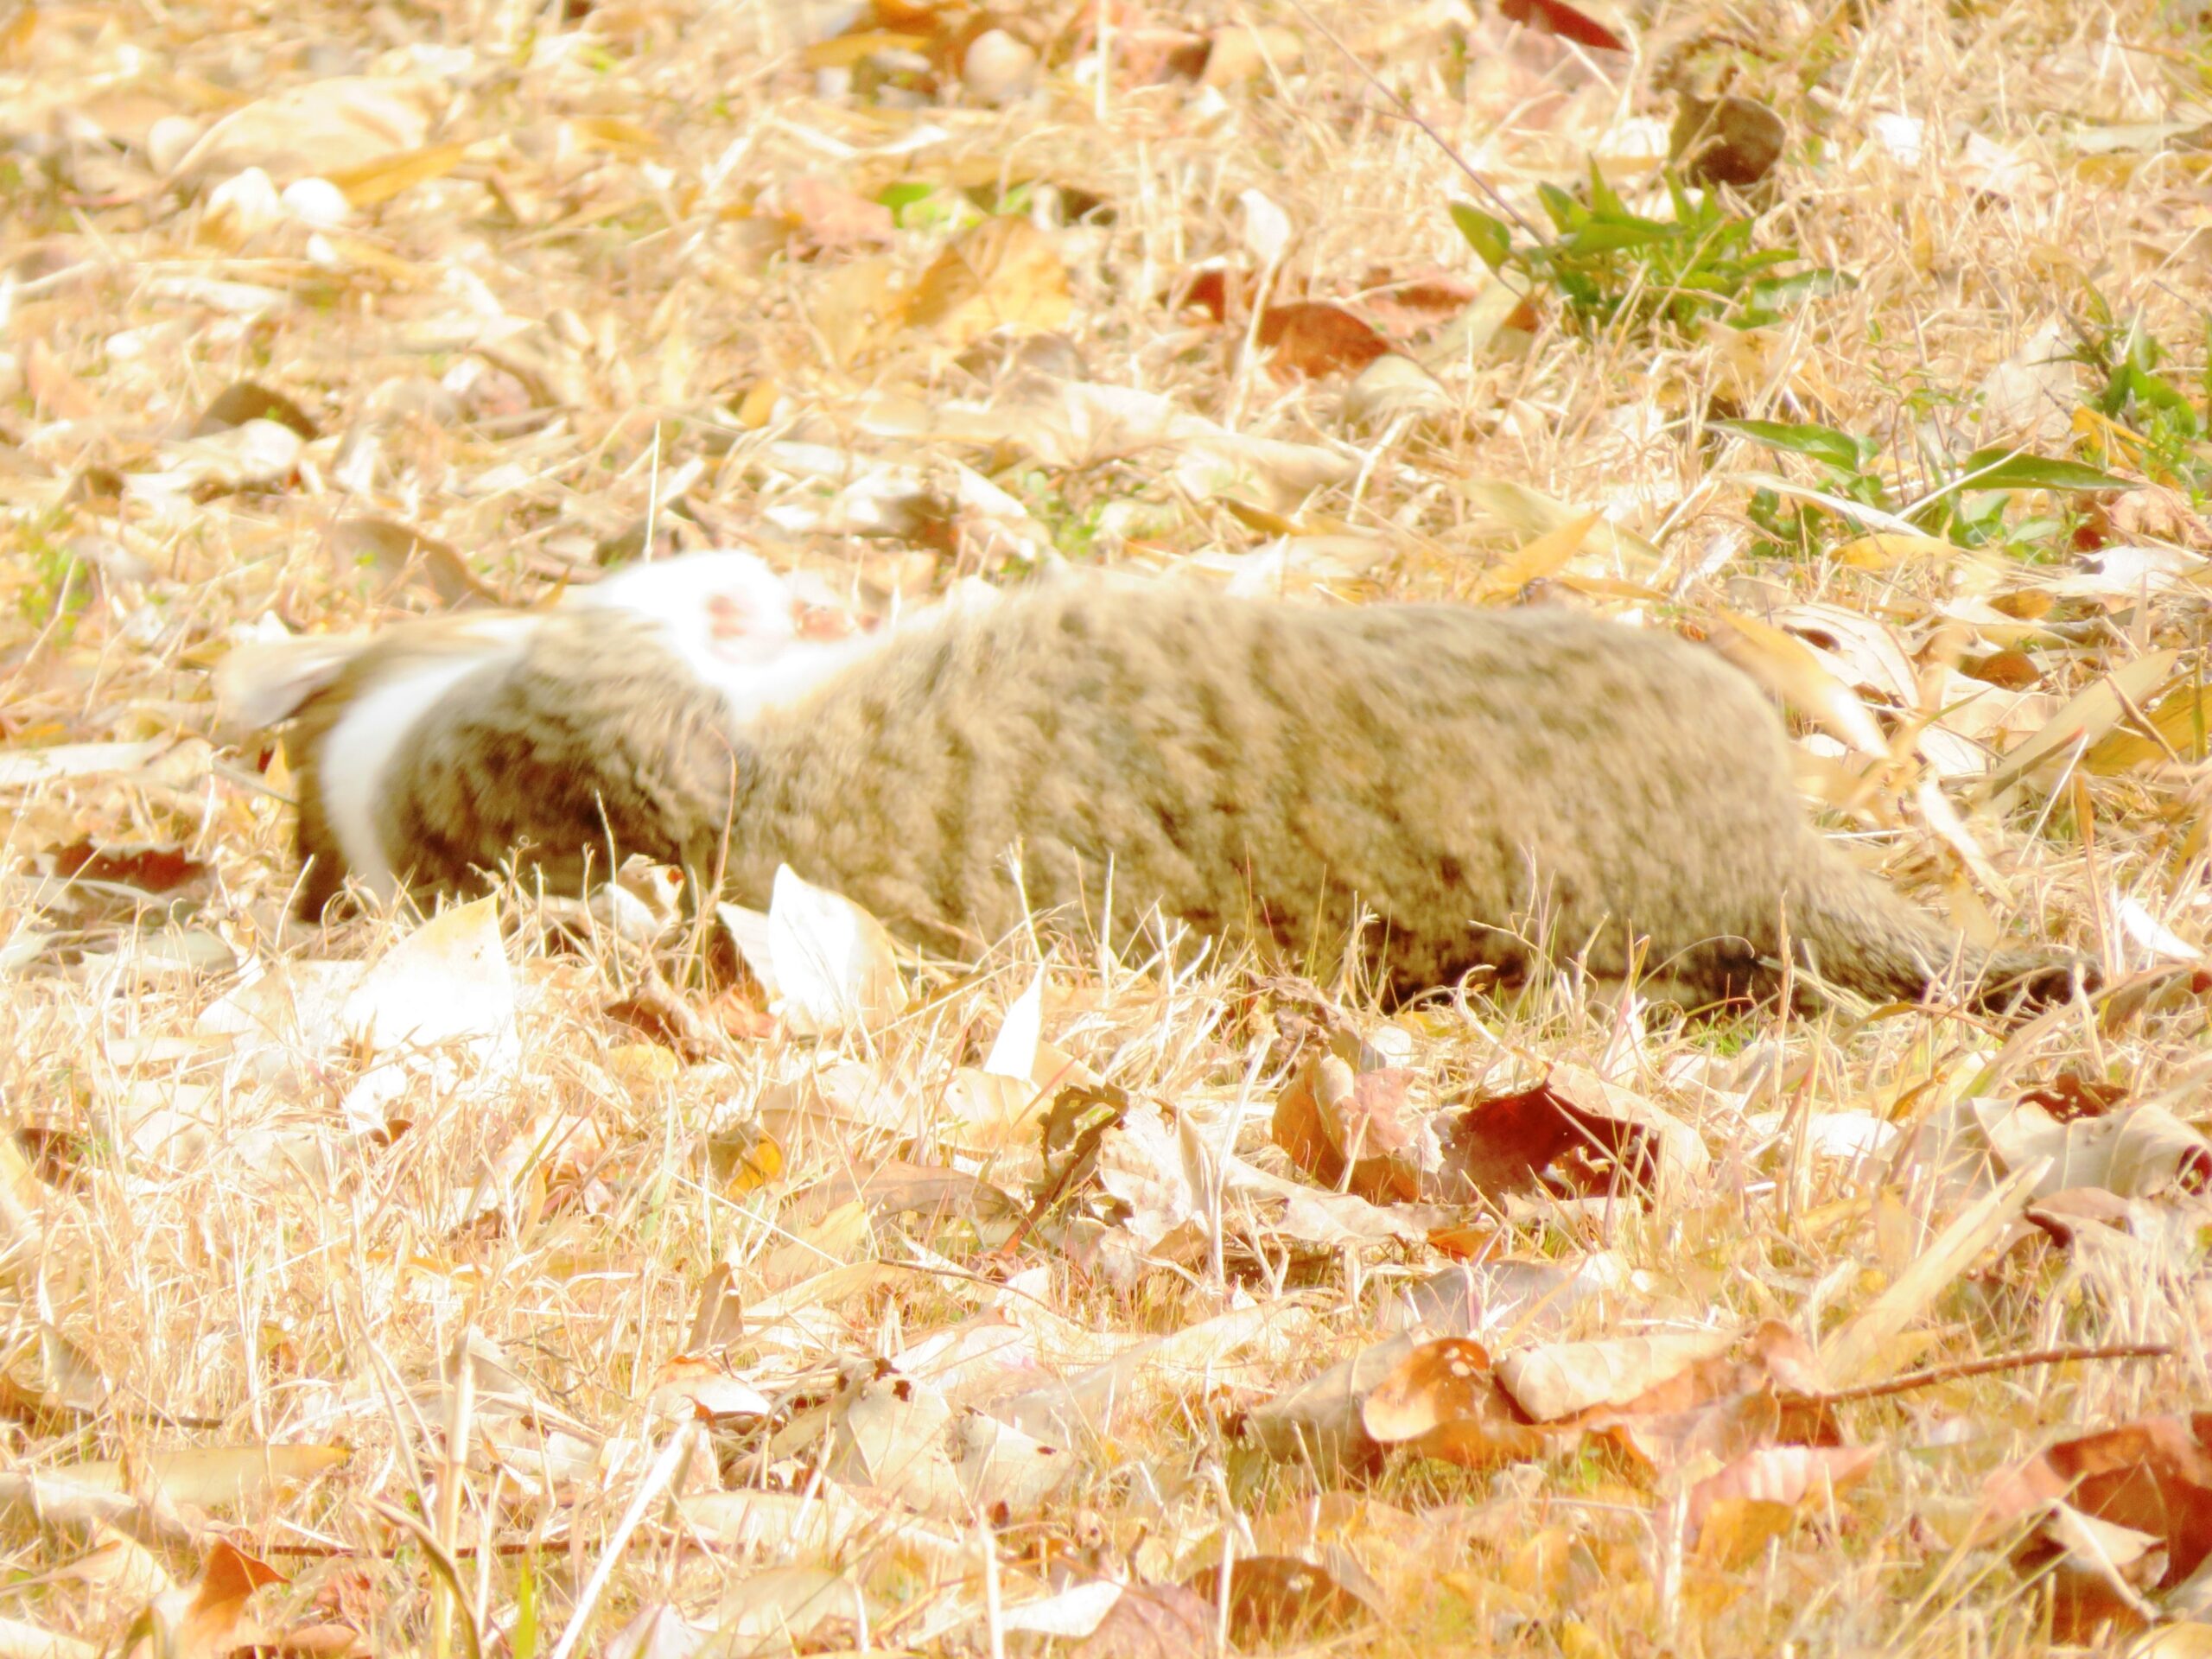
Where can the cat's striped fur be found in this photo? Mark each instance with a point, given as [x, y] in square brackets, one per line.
[1259, 769]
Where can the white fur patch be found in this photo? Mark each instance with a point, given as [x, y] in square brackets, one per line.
[356, 756]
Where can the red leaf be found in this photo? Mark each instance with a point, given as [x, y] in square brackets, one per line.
[1568, 22]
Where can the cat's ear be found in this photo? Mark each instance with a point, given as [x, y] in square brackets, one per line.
[267, 683]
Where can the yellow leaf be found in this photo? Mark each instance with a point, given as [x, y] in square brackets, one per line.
[759, 404]
[615, 136]
[642, 1067]
[846, 50]
[1539, 557]
[1004, 272]
[1885, 549]
[2183, 717]
[760, 1162]
[386, 177]
[2107, 437]
[1787, 665]
[2093, 712]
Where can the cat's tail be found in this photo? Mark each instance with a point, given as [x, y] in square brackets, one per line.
[1851, 931]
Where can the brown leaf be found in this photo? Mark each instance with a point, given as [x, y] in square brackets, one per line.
[1278, 1599]
[1328, 1111]
[1733, 141]
[1309, 339]
[249, 400]
[2012, 668]
[209, 1618]
[1575, 1133]
[1219, 293]
[2153, 1475]
[1443, 1401]
[2070, 1095]
[1656, 1443]
[1153, 1621]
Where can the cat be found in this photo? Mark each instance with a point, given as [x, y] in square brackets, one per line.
[360, 700]
[1094, 752]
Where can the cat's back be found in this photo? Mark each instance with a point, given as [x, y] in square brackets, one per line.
[1227, 756]
[1104, 663]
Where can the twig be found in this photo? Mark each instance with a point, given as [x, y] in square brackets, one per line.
[1907, 1381]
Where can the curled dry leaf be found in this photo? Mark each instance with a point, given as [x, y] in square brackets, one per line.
[2136, 1151]
[208, 1618]
[2153, 1475]
[1789, 668]
[1731, 141]
[1335, 1123]
[1444, 1401]
[827, 964]
[1575, 1134]
[2097, 1573]
[1564, 1378]
[1568, 21]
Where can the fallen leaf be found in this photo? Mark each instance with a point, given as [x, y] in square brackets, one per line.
[2153, 1476]
[832, 219]
[1002, 273]
[2092, 712]
[213, 1477]
[1153, 1621]
[1332, 1121]
[1568, 21]
[2135, 1152]
[1793, 1476]
[380, 180]
[318, 127]
[1310, 339]
[1731, 141]
[1443, 1401]
[828, 965]
[1573, 1134]
[448, 982]
[1278, 1599]
[1559, 1380]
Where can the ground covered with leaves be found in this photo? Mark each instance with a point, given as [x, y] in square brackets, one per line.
[501, 1282]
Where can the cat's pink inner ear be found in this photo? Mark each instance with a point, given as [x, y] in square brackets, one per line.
[727, 618]
[825, 622]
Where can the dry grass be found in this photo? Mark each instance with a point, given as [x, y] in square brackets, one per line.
[524, 352]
